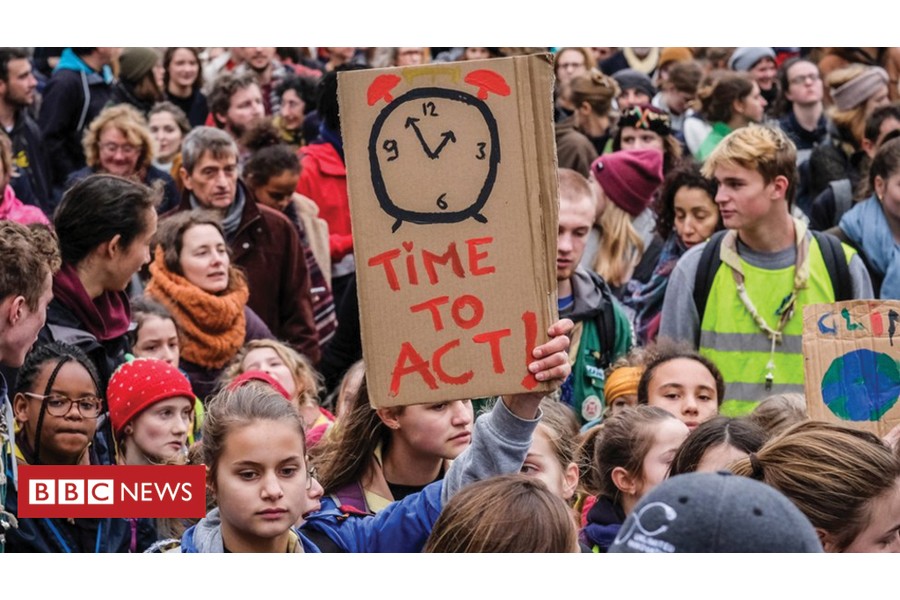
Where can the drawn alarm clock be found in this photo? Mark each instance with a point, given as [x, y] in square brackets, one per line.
[434, 152]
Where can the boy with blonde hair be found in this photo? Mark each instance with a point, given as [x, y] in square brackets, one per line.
[739, 297]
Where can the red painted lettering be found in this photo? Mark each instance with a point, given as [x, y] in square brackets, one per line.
[432, 305]
[530, 321]
[451, 256]
[477, 311]
[417, 364]
[877, 324]
[411, 273]
[386, 259]
[493, 338]
[439, 369]
[475, 256]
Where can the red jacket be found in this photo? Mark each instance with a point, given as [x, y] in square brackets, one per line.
[324, 179]
[267, 247]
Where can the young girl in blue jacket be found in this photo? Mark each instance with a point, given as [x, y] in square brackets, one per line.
[255, 452]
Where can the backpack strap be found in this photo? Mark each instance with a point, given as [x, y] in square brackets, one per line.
[836, 263]
[841, 236]
[706, 271]
[86, 90]
[832, 253]
[606, 325]
[324, 543]
[843, 198]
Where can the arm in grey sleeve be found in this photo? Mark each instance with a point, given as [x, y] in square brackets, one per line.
[862, 283]
[500, 442]
[679, 319]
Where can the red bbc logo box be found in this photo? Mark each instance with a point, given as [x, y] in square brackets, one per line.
[116, 491]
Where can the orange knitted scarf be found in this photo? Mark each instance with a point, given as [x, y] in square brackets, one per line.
[213, 326]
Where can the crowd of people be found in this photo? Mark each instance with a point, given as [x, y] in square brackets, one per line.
[178, 286]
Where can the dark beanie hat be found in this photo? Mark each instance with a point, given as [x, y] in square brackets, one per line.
[715, 512]
[137, 62]
[629, 79]
[630, 177]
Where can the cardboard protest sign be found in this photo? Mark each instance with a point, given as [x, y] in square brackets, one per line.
[452, 180]
[851, 353]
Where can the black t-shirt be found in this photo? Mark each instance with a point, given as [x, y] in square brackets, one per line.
[399, 492]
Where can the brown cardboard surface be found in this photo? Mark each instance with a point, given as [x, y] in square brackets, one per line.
[452, 180]
[851, 353]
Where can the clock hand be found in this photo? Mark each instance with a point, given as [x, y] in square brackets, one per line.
[411, 122]
[448, 137]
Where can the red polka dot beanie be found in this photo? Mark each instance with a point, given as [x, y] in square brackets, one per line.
[139, 384]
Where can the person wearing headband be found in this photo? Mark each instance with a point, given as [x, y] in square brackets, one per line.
[621, 388]
[856, 91]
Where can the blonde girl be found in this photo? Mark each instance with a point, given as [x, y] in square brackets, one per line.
[295, 374]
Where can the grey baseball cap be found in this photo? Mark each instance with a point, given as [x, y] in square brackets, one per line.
[715, 512]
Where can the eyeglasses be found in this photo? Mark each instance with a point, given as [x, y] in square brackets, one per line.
[311, 473]
[799, 79]
[58, 405]
[112, 148]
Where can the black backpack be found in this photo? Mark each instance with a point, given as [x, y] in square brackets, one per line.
[832, 253]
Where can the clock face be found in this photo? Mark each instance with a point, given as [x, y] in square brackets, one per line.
[434, 153]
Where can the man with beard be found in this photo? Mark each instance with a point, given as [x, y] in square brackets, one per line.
[17, 94]
[269, 72]
[235, 102]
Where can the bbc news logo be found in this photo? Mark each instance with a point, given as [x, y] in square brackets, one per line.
[118, 491]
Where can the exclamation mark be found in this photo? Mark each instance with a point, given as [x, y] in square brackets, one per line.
[530, 321]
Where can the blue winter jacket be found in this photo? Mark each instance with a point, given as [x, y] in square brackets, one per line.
[500, 442]
[401, 527]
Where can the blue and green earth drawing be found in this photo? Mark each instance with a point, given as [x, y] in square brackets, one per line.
[861, 385]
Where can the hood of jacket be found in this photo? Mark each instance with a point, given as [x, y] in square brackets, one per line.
[327, 158]
[69, 61]
[603, 523]
[205, 536]
[588, 290]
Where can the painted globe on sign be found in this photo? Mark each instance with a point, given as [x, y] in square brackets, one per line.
[861, 385]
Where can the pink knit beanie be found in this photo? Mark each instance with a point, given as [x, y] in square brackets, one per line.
[630, 177]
